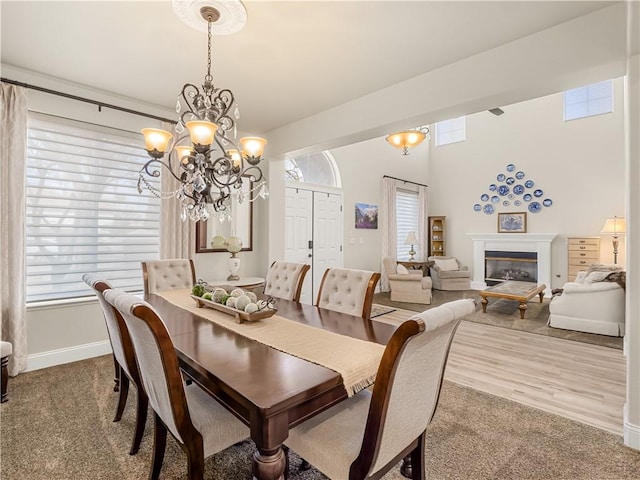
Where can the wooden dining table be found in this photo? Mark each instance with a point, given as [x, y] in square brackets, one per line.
[271, 391]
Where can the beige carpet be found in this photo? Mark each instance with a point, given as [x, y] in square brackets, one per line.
[57, 425]
[504, 313]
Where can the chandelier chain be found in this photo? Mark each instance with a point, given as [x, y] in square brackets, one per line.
[210, 26]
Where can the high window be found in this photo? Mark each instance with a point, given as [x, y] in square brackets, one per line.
[84, 213]
[589, 100]
[406, 220]
[317, 168]
[451, 131]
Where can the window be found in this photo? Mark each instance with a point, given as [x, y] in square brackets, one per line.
[83, 210]
[587, 101]
[318, 168]
[451, 131]
[406, 220]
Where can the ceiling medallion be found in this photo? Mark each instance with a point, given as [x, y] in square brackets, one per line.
[233, 15]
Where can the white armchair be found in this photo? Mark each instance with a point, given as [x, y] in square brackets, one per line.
[596, 307]
[448, 273]
[407, 287]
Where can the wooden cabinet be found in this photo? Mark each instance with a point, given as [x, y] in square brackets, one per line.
[436, 236]
[582, 252]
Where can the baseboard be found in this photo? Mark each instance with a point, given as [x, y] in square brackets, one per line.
[631, 432]
[67, 355]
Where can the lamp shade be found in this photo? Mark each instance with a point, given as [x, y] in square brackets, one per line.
[411, 239]
[156, 139]
[406, 139]
[614, 226]
[252, 146]
[201, 132]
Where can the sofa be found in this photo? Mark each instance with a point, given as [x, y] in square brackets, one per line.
[407, 286]
[448, 273]
[593, 303]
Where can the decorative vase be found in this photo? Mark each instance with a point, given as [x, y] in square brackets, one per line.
[234, 266]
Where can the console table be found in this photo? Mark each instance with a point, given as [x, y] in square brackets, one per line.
[248, 283]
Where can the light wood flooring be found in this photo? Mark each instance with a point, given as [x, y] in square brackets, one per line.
[576, 380]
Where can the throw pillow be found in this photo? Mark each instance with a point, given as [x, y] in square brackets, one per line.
[402, 270]
[594, 277]
[603, 267]
[447, 264]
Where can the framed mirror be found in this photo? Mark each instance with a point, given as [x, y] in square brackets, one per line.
[241, 224]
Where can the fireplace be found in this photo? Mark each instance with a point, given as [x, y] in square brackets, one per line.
[502, 266]
[510, 244]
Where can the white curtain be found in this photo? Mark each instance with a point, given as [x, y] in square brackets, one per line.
[388, 227]
[177, 238]
[13, 154]
[423, 223]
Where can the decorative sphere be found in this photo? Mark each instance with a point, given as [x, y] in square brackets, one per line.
[236, 292]
[242, 301]
[251, 308]
[234, 244]
[218, 242]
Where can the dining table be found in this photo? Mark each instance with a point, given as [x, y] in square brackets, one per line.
[268, 389]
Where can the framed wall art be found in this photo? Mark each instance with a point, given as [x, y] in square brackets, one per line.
[514, 222]
[366, 216]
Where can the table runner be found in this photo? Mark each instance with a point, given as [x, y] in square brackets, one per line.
[355, 360]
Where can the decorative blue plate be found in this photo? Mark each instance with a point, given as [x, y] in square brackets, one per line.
[528, 183]
[518, 189]
[547, 202]
[503, 190]
[495, 199]
[527, 197]
[493, 187]
[538, 193]
[477, 207]
[534, 207]
[488, 209]
[517, 203]
[511, 167]
[500, 177]
[506, 203]
[510, 180]
[484, 197]
[520, 175]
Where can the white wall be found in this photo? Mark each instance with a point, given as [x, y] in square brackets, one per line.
[579, 164]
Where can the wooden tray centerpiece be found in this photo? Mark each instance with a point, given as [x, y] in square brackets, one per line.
[265, 308]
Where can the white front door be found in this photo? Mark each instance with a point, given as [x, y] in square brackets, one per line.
[299, 234]
[327, 235]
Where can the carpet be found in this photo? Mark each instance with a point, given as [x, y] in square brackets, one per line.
[505, 313]
[58, 425]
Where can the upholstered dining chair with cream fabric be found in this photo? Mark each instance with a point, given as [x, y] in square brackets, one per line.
[407, 285]
[196, 420]
[124, 359]
[366, 435]
[171, 274]
[285, 279]
[348, 291]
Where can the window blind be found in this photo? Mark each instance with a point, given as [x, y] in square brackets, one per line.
[451, 131]
[406, 220]
[83, 210]
[589, 100]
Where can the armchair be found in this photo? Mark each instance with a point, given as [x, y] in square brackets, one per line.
[592, 307]
[407, 287]
[448, 273]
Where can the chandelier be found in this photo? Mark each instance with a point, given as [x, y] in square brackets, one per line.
[205, 158]
[408, 138]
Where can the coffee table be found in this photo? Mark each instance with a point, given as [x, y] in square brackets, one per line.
[511, 290]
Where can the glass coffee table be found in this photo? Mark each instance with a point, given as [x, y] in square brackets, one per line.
[511, 290]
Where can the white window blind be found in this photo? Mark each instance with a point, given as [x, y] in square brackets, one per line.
[589, 100]
[84, 213]
[406, 220]
[451, 131]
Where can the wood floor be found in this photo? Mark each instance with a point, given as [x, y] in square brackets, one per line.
[576, 380]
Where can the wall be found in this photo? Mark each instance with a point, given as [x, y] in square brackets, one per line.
[579, 164]
[362, 166]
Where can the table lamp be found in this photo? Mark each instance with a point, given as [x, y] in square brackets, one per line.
[234, 245]
[411, 240]
[615, 226]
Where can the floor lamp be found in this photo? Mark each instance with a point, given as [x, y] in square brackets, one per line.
[615, 226]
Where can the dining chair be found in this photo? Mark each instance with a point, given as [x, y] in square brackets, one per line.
[285, 279]
[348, 291]
[170, 274]
[200, 424]
[364, 436]
[123, 358]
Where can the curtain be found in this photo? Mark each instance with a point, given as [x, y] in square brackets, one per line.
[423, 223]
[388, 227]
[13, 154]
[177, 238]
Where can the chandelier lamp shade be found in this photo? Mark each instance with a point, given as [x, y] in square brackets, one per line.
[615, 226]
[205, 158]
[407, 139]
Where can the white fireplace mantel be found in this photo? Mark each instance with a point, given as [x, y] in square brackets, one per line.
[539, 243]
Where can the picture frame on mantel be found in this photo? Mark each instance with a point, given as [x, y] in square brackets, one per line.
[512, 222]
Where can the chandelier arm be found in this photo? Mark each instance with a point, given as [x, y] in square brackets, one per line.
[147, 168]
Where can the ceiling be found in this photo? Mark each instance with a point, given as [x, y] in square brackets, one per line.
[293, 59]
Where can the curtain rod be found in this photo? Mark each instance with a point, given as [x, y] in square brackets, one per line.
[405, 181]
[85, 100]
